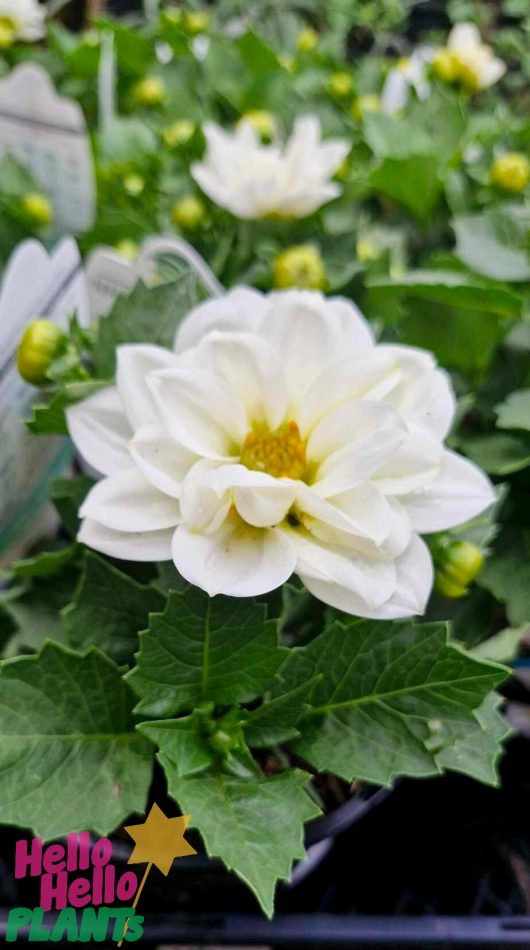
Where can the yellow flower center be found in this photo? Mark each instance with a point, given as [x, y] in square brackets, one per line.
[280, 453]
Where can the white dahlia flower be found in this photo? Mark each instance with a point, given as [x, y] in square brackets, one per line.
[23, 19]
[476, 65]
[253, 180]
[278, 438]
[411, 72]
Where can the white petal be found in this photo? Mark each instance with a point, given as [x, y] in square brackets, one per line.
[126, 501]
[210, 490]
[236, 560]
[127, 545]
[371, 376]
[163, 461]
[493, 70]
[133, 363]
[341, 574]
[352, 443]
[200, 411]
[414, 580]
[310, 333]
[251, 368]
[460, 492]
[412, 467]
[100, 432]
[239, 310]
[362, 512]
[395, 93]
[464, 36]
[424, 396]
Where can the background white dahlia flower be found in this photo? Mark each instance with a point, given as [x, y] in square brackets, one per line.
[24, 19]
[278, 438]
[254, 180]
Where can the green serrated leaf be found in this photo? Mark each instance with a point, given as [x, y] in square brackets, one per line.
[67, 494]
[49, 418]
[414, 182]
[182, 742]
[476, 750]
[383, 685]
[514, 412]
[502, 646]
[255, 826]
[507, 577]
[221, 649]
[147, 313]
[276, 719]
[45, 562]
[70, 758]
[109, 609]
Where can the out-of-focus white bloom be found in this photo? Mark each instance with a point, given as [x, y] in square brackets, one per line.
[410, 73]
[278, 438]
[467, 60]
[23, 18]
[254, 180]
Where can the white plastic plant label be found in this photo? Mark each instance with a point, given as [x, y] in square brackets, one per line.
[109, 274]
[56, 290]
[47, 134]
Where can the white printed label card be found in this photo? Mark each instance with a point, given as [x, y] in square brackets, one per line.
[47, 134]
[109, 274]
[57, 290]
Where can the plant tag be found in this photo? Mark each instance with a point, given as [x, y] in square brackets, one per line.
[56, 290]
[109, 274]
[47, 134]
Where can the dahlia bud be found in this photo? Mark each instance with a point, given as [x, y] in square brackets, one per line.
[188, 213]
[340, 85]
[178, 133]
[307, 40]
[38, 209]
[299, 266]
[511, 172]
[41, 343]
[127, 248]
[7, 34]
[369, 102]
[150, 91]
[446, 66]
[457, 564]
[196, 21]
[262, 121]
[134, 185]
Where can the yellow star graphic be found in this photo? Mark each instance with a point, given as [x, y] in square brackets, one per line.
[159, 840]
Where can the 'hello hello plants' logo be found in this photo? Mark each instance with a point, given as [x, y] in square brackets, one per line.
[80, 883]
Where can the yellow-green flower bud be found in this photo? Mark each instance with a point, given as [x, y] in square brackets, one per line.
[287, 62]
[369, 102]
[511, 172]
[367, 250]
[178, 133]
[188, 213]
[127, 248]
[456, 566]
[263, 122]
[41, 344]
[340, 85]
[307, 40]
[38, 209]
[196, 21]
[299, 266]
[134, 185]
[7, 32]
[446, 66]
[150, 91]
